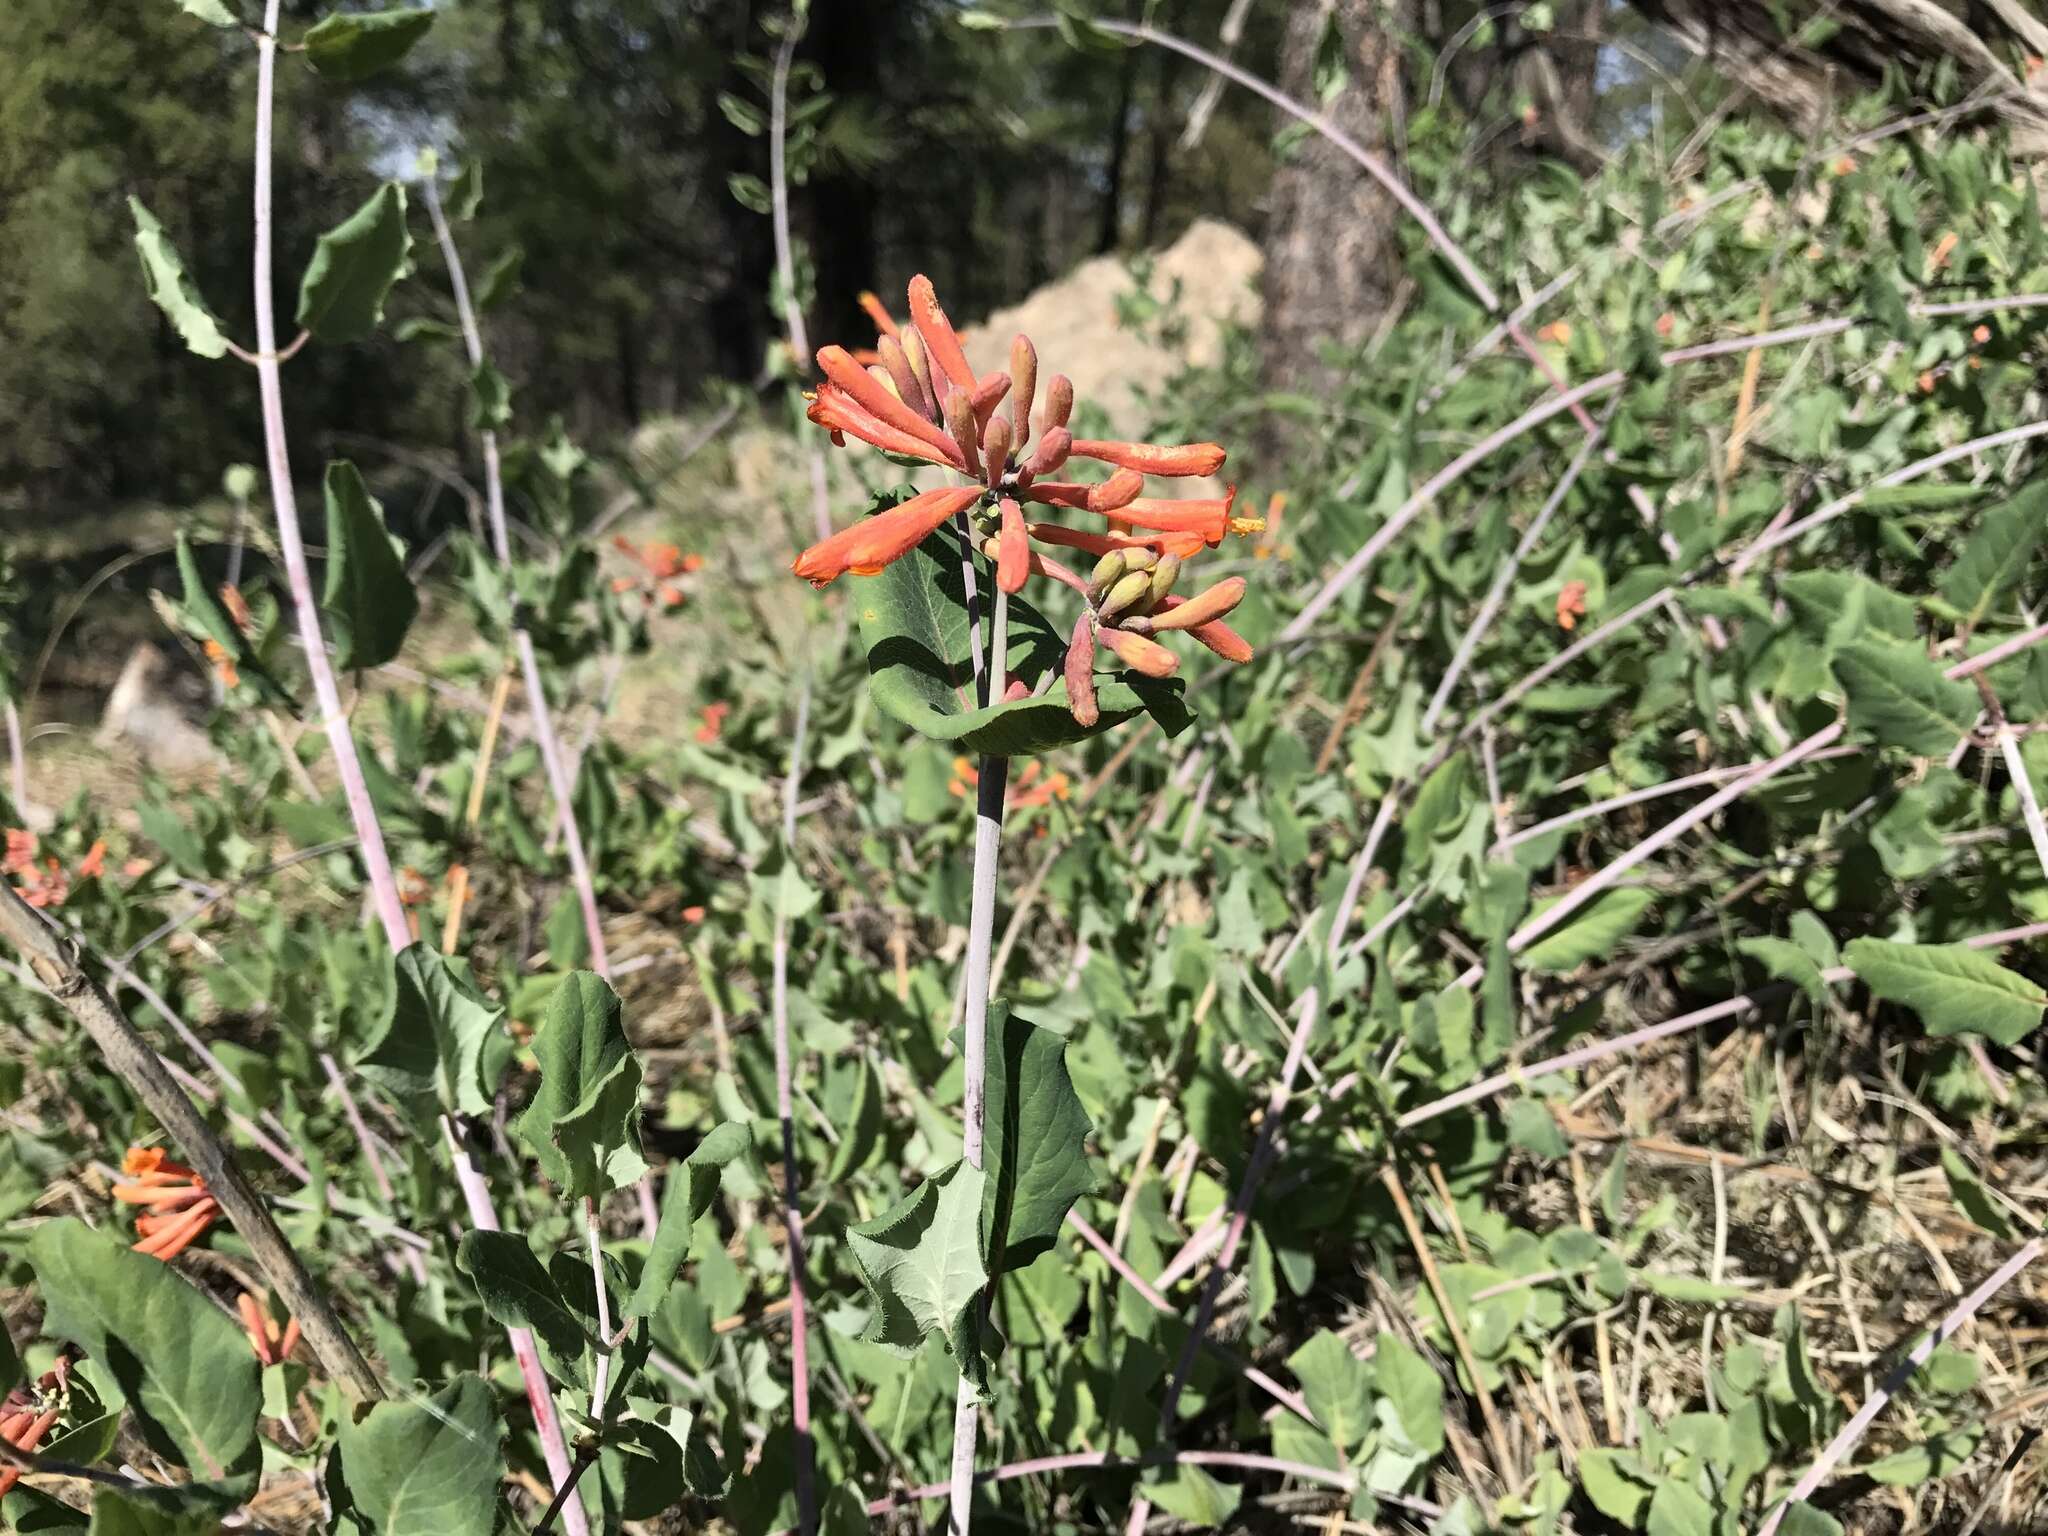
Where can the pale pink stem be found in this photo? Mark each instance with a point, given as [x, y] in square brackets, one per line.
[1387, 532]
[1654, 792]
[350, 1108]
[1293, 1402]
[1737, 344]
[1496, 595]
[2030, 806]
[1662, 838]
[1550, 374]
[600, 1380]
[561, 778]
[1734, 1007]
[1911, 471]
[1846, 1438]
[17, 761]
[785, 259]
[785, 1109]
[1202, 1242]
[1999, 652]
[476, 1197]
[1348, 902]
[1365, 158]
[348, 767]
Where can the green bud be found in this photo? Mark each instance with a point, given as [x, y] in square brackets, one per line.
[1164, 574]
[1109, 571]
[1139, 559]
[1135, 588]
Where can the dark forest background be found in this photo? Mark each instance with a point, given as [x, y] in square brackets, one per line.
[623, 158]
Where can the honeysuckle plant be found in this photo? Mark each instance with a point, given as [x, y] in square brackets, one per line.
[1314, 1180]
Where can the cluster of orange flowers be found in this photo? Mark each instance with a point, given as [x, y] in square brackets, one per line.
[40, 877]
[1024, 792]
[711, 722]
[179, 1208]
[28, 1414]
[921, 399]
[661, 565]
[273, 1345]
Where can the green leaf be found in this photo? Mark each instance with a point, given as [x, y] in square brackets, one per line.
[352, 46]
[369, 599]
[212, 12]
[1616, 1484]
[516, 1290]
[183, 1362]
[355, 265]
[1191, 1494]
[170, 288]
[439, 1045]
[1677, 1510]
[1898, 696]
[1684, 1287]
[202, 615]
[1936, 1456]
[500, 280]
[1532, 1127]
[1802, 1519]
[1595, 929]
[1955, 990]
[1787, 962]
[427, 1467]
[148, 1509]
[490, 398]
[1036, 1142]
[584, 1122]
[1996, 556]
[1338, 1387]
[466, 191]
[1413, 1392]
[1971, 1196]
[691, 1184]
[922, 1263]
[913, 622]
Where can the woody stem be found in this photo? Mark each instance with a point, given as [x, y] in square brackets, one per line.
[988, 841]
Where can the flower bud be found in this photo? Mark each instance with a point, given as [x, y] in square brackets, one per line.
[1140, 654]
[1140, 559]
[960, 423]
[1059, 403]
[1192, 612]
[920, 364]
[908, 389]
[1023, 387]
[1109, 570]
[995, 449]
[1130, 590]
[1080, 671]
[1164, 574]
[1119, 490]
[1050, 452]
[1013, 554]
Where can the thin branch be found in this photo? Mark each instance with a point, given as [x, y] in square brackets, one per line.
[122, 1048]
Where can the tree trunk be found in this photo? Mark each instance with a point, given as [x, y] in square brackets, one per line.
[1331, 246]
[1119, 142]
[846, 42]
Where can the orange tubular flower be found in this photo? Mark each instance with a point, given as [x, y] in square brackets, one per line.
[940, 340]
[1152, 458]
[871, 396]
[837, 411]
[924, 401]
[180, 1208]
[1571, 605]
[868, 546]
[273, 1346]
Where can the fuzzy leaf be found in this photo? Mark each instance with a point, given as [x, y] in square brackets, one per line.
[1191, 1494]
[517, 1291]
[355, 265]
[369, 599]
[584, 1122]
[922, 1263]
[212, 12]
[1338, 1387]
[1036, 1142]
[439, 1046]
[171, 289]
[1786, 961]
[149, 1509]
[913, 622]
[428, 1467]
[1898, 696]
[185, 1365]
[353, 45]
[1955, 990]
[1593, 930]
[691, 1184]
[1996, 555]
[1413, 1394]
